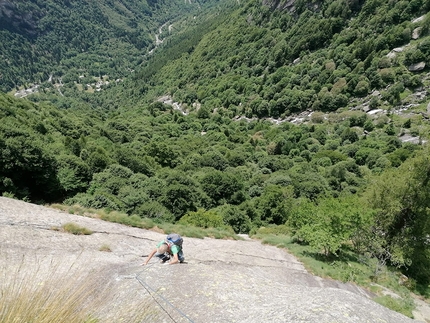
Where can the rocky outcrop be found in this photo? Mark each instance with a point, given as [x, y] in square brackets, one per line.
[417, 67]
[281, 4]
[289, 5]
[416, 33]
[14, 20]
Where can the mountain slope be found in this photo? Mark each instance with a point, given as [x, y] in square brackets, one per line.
[201, 133]
[269, 61]
[40, 38]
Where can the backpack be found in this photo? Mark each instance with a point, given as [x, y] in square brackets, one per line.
[174, 239]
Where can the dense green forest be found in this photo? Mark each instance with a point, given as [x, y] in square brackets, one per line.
[339, 177]
[266, 62]
[52, 41]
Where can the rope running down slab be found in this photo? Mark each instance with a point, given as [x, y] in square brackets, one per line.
[151, 291]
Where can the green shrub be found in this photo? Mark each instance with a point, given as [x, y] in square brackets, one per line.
[203, 219]
[8, 194]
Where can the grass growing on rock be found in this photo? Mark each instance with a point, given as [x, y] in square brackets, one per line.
[346, 267]
[75, 229]
[396, 304]
[146, 223]
[105, 248]
[55, 290]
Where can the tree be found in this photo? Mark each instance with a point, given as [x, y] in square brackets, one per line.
[203, 219]
[178, 199]
[329, 223]
[73, 174]
[308, 183]
[350, 135]
[163, 153]
[414, 56]
[334, 155]
[274, 204]
[214, 159]
[154, 210]
[27, 168]
[98, 160]
[132, 199]
[362, 88]
[220, 186]
[131, 159]
[234, 217]
[402, 222]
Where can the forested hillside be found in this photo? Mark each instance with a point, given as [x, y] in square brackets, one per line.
[265, 61]
[203, 133]
[43, 41]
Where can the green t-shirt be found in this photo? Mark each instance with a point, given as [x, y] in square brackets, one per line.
[174, 249]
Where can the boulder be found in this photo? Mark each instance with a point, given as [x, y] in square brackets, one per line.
[417, 67]
[418, 19]
[366, 108]
[416, 33]
[290, 5]
[391, 54]
[376, 111]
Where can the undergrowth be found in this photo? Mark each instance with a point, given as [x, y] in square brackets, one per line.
[396, 304]
[346, 267]
[146, 223]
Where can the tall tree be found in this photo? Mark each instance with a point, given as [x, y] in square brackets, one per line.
[401, 199]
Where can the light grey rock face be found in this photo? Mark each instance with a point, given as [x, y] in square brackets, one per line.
[417, 67]
[419, 19]
[296, 61]
[221, 281]
[416, 33]
[282, 5]
[428, 109]
[410, 139]
[12, 18]
[391, 54]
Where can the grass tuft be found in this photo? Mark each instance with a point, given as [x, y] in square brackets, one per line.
[105, 248]
[75, 229]
[46, 290]
[399, 305]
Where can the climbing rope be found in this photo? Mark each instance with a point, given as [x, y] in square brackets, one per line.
[151, 291]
